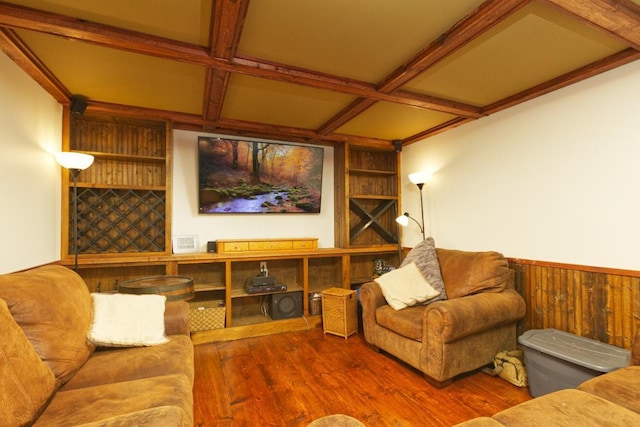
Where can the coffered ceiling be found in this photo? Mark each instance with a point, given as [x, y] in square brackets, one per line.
[368, 71]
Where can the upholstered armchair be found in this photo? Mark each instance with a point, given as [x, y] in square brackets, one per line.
[459, 331]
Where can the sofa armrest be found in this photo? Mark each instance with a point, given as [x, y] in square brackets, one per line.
[460, 317]
[176, 318]
[371, 298]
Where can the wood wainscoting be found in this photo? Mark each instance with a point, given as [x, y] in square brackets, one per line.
[598, 303]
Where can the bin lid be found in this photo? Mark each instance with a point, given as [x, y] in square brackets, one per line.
[582, 351]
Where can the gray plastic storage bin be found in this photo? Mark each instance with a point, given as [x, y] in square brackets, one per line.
[557, 360]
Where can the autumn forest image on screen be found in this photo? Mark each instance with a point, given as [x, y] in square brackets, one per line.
[237, 176]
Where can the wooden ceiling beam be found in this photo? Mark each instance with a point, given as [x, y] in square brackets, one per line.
[131, 41]
[197, 123]
[489, 14]
[14, 16]
[20, 53]
[620, 18]
[269, 70]
[228, 19]
[352, 110]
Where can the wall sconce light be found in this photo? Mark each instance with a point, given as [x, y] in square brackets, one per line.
[74, 162]
[419, 179]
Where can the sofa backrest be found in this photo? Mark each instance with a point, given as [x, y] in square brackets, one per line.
[52, 305]
[465, 273]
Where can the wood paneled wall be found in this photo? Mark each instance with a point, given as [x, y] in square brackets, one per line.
[602, 304]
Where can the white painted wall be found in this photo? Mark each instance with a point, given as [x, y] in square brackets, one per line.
[30, 132]
[187, 220]
[554, 179]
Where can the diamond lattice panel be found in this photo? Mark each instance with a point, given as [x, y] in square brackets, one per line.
[118, 221]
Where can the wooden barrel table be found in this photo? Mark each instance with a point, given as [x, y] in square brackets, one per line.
[175, 288]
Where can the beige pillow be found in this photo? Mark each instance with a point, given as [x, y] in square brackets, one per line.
[405, 287]
[426, 259]
[127, 320]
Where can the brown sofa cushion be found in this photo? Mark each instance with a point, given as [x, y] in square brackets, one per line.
[621, 387]
[568, 408]
[27, 383]
[467, 273]
[53, 307]
[122, 400]
[425, 258]
[118, 365]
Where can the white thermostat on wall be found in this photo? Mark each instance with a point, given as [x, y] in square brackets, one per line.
[185, 244]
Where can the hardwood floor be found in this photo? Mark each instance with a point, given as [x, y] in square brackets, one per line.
[291, 379]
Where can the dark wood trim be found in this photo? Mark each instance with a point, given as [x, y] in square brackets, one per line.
[577, 267]
[489, 14]
[15, 49]
[619, 18]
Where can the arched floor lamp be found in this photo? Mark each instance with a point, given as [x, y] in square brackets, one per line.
[74, 162]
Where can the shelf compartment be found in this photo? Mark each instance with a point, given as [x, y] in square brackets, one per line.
[107, 279]
[206, 276]
[286, 271]
[324, 273]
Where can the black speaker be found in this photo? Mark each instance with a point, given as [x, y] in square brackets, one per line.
[286, 305]
[212, 247]
[78, 105]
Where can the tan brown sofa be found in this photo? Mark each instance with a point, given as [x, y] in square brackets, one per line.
[455, 335]
[612, 399]
[51, 375]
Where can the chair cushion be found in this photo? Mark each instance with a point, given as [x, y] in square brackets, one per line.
[424, 256]
[52, 305]
[466, 273]
[407, 322]
[27, 383]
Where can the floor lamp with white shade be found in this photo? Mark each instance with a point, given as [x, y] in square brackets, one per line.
[74, 162]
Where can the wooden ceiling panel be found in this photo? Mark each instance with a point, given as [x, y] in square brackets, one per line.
[120, 77]
[532, 46]
[358, 39]
[187, 21]
[279, 103]
[393, 121]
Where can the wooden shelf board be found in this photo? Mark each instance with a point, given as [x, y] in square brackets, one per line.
[241, 293]
[372, 197]
[353, 171]
[204, 287]
[125, 157]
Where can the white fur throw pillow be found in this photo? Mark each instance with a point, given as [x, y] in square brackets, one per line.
[405, 287]
[125, 320]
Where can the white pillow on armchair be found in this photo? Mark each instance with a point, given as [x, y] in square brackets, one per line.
[405, 287]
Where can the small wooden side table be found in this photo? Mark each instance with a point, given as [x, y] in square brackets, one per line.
[339, 312]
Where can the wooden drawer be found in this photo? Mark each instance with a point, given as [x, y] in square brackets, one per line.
[233, 247]
[267, 245]
[271, 245]
[305, 244]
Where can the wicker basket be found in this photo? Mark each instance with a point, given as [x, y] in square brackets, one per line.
[206, 315]
[339, 312]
